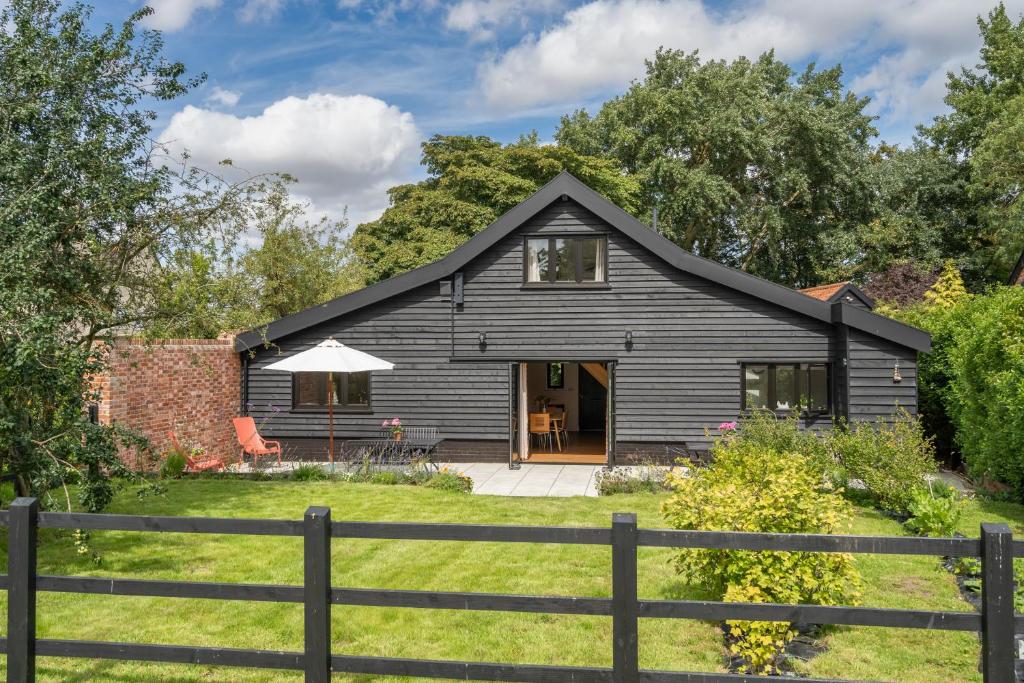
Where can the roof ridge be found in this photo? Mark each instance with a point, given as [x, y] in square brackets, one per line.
[569, 185]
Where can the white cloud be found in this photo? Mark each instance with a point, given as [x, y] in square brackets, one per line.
[260, 10]
[223, 97]
[600, 46]
[174, 15]
[480, 18]
[345, 151]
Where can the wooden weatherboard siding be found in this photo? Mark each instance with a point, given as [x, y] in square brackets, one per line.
[412, 330]
[680, 376]
[872, 389]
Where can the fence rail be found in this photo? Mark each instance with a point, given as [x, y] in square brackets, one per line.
[996, 622]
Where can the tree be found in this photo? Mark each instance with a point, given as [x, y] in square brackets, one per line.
[900, 285]
[286, 265]
[916, 214]
[982, 135]
[90, 208]
[471, 181]
[746, 164]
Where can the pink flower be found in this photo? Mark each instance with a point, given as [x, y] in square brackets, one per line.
[395, 422]
[385, 423]
[727, 426]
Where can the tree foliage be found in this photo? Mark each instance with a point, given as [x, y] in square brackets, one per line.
[915, 214]
[747, 163]
[283, 265]
[982, 135]
[471, 182]
[90, 209]
[900, 284]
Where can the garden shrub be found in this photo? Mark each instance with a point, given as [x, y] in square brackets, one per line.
[971, 384]
[645, 479]
[752, 488]
[985, 397]
[450, 480]
[309, 473]
[764, 429]
[935, 511]
[173, 466]
[890, 458]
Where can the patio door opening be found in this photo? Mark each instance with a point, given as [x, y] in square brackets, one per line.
[570, 398]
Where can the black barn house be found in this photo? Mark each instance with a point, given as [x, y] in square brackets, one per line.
[567, 300]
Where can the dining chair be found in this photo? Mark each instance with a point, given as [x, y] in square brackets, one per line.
[563, 426]
[540, 425]
[557, 414]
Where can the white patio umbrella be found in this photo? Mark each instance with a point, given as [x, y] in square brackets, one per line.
[329, 356]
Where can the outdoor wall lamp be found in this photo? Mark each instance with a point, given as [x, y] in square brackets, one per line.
[629, 338]
[481, 338]
[896, 376]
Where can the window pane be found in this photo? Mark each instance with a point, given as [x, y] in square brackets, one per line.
[785, 387]
[593, 260]
[310, 389]
[817, 392]
[537, 260]
[556, 376]
[565, 260]
[756, 377]
[338, 390]
[358, 389]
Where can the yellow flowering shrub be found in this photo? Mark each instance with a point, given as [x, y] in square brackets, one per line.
[752, 488]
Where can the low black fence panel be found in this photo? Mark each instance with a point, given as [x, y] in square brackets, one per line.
[996, 621]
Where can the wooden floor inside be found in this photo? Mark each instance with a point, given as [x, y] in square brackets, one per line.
[584, 448]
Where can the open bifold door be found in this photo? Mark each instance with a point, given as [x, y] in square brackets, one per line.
[514, 437]
[609, 427]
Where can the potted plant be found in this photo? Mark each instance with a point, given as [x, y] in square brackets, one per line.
[395, 425]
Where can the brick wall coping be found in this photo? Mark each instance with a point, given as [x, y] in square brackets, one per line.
[141, 341]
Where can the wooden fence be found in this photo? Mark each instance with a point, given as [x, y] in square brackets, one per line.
[996, 622]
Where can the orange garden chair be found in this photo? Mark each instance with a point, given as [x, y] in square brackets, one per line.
[251, 442]
[206, 464]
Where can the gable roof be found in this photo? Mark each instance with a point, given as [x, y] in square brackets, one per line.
[566, 184]
[837, 291]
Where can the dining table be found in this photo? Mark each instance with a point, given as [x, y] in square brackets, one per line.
[557, 424]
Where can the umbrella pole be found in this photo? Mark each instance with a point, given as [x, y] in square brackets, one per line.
[330, 418]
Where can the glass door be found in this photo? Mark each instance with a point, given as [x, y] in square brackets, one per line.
[609, 428]
[514, 436]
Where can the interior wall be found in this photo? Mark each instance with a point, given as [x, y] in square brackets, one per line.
[569, 396]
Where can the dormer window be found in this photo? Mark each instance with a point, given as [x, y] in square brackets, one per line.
[565, 260]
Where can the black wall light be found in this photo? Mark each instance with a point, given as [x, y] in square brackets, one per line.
[629, 338]
[481, 338]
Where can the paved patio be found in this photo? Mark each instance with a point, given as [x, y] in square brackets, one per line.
[496, 479]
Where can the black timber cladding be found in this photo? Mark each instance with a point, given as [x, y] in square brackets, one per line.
[564, 185]
[680, 375]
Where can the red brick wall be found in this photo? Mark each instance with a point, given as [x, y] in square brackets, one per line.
[188, 385]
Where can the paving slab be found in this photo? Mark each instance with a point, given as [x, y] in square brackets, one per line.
[575, 480]
[495, 478]
[537, 480]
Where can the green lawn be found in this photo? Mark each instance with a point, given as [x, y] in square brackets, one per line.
[858, 653]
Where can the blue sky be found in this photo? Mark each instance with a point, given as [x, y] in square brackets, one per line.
[341, 92]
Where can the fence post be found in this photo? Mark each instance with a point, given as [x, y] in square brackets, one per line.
[625, 658]
[317, 593]
[997, 628]
[21, 590]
